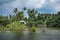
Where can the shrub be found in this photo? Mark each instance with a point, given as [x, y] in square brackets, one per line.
[33, 28]
[16, 26]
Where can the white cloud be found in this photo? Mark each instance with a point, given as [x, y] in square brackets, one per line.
[22, 3]
[53, 4]
[56, 5]
[35, 3]
[53, 1]
[57, 8]
[13, 4]
[16, 3]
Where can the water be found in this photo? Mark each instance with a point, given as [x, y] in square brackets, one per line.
[28, 35]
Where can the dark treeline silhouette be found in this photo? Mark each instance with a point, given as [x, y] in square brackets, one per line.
[35, 18]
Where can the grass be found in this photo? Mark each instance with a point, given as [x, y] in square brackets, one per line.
[15, 26]
[33, 29]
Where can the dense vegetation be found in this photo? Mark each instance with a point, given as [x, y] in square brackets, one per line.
[35, 18]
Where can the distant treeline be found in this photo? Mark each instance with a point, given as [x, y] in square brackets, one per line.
[35, 18]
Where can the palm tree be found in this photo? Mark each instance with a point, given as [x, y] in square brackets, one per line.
[24, 8]
[15, 10]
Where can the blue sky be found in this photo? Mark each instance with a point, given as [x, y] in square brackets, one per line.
[48, 6]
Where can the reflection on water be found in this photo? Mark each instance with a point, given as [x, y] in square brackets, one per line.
[19, 35]
[25, 36]
[28, 35]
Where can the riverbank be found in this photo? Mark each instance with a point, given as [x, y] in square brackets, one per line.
[29, 29]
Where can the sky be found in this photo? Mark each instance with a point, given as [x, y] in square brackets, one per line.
[43, 6]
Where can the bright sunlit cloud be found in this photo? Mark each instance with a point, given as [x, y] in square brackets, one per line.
[7, 6]
[35, 3]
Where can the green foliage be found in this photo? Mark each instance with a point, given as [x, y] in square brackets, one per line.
[4, 20]
[20, 15]
[2, 28]
[12, 21]
[33, 28]
[24, 8]
[16, 26]
[15, 10]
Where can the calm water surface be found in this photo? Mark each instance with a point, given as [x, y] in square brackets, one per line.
[28, 35]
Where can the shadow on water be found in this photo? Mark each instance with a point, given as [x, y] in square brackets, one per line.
[6, 36]
[29, 35]
[18, 35]
[25, 35]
